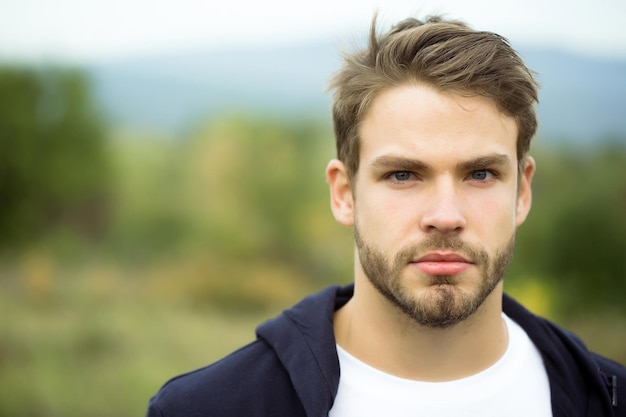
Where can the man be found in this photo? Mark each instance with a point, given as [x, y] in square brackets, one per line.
[433, 122]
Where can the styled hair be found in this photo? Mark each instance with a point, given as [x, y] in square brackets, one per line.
[446, 55]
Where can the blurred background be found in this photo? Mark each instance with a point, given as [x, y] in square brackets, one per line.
[162, 187]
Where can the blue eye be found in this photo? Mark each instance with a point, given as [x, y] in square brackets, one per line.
[481, 175]
[402, 176]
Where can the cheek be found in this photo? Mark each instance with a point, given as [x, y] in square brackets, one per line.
[493, 217]
[387, 219]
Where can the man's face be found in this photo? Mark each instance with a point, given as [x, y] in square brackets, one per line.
[436, 201]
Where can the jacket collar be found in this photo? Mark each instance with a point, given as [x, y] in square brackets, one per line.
[304, 341]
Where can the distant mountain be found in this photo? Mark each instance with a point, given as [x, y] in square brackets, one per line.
[171, 92]
[581, 98]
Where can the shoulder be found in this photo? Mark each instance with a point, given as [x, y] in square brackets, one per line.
[577, 376]
[245, 382]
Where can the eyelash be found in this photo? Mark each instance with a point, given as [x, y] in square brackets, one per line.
[391, 175]
[494, 174]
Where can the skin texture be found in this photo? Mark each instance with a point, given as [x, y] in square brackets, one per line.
[435, 206]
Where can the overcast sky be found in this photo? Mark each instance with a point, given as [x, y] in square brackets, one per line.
[96, 30]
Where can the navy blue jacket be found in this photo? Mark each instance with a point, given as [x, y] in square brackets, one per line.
[292, 369]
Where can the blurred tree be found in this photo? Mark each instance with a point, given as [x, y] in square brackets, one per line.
[257, 188]
[242, 204]
[53, 161]
[575, 238]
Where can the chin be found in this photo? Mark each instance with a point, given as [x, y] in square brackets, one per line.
[440, 305]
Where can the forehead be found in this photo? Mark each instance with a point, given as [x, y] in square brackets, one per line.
[417, 119]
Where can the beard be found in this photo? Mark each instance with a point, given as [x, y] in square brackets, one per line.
[444, 304]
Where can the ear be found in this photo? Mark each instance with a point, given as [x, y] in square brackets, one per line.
[524, 192]
[341, 199]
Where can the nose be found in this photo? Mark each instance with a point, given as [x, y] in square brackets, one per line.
[443, 210]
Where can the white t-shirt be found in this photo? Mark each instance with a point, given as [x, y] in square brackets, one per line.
[515, 386]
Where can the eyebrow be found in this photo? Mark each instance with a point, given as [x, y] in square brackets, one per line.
[487, 161]
[391, 162]
[399, 163]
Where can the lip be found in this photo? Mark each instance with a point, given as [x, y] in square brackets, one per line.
[439, 263]
[442, 257]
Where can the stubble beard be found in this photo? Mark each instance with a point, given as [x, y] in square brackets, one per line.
[444, 304]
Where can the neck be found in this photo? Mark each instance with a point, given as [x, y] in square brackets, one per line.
[377, 333]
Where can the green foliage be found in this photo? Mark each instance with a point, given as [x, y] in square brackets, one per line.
[53, 162]
[259, 184]
[86, 349]
[576, 235]
[242, 191]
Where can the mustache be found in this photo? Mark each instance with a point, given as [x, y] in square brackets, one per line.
[472, 253]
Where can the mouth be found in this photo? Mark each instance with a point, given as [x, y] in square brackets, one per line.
[442, 263]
